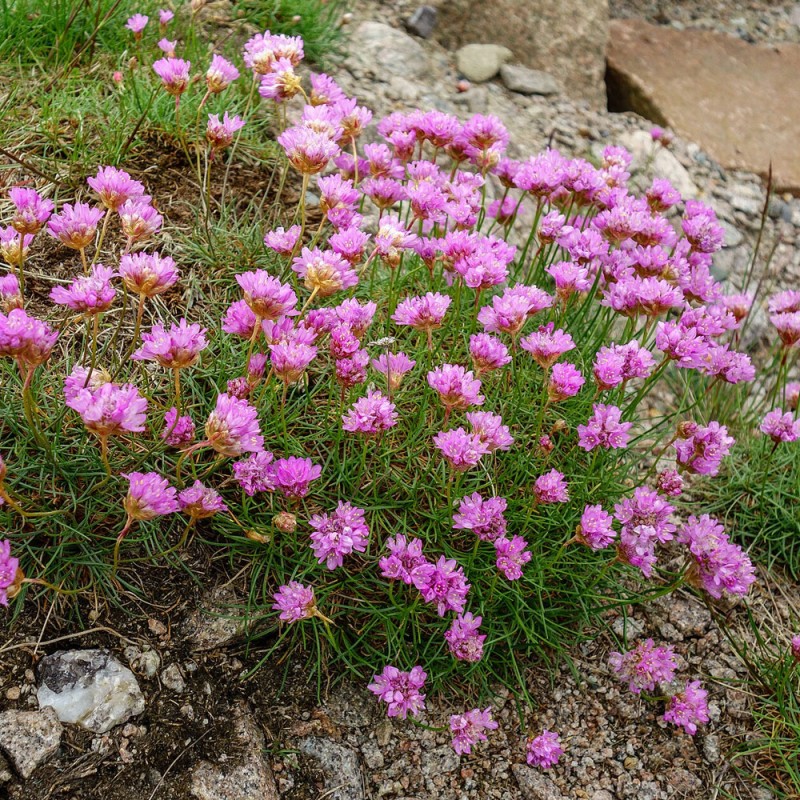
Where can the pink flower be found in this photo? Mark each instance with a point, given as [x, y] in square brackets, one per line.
[468, 729]
[31, 210]
[569, 278]
[405, 557]
[484, 517]
[10, 294]
[13, 246]
[604, 429]
[324, 273]
[547, 345]
[551, 488]
[795, 647]
[136, 24]
[291, 359]
[649, 296]
[353, 370]
[780, 427]
[487, 352]
[645, 666]
[9, 567]
[596, 528]
[460, 449]
[490, 428]
[646, 508]
[688, 708]
[422, 313]
[510, 311]
[349, 243]
[293, 475]
[165, 16]
[110, 410]
[200, 502]
[26, 338]
[394, 366]
[149, 496]
[256, 473]
[442, 583]
[174, 74]
[401, 691]
[220, 74]
[370, 414]
[220, 133]
[458, 389]
[463, 639]
[295, 602]
[307, 150]
[719, 564]
[281, 83]
[84, 378]
[266, 295]
[793, 394]
[232, 427]
[670, 483]
[544, 750]
[701, 449]
[114, 186]
[701, 228]
[76, 225]
[178, 431]
[338, 534]
[565, 381]
[240, 320]
[167, 47]
[283, 241]
[511, 556]
[138, 220]
[622, 362]
[147, 274]
[89, 294]
[176, 348]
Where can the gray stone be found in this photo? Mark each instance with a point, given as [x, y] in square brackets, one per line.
[481, 62]
[381, 51]
[733, 236]
[567, 38]
[247, 777]
[535, 786]
[627, 627]
[89, 688]
[172, 678]
[350, 707]
[659, 162]
[439, 760]
[690, 617]
[794, 15]
[29, 738]
[343, 780]
[5, 771]
[524, 80]
[422, 21]
[373, 757]
[216, 623]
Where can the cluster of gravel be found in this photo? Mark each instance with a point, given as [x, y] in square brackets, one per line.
[764, 21]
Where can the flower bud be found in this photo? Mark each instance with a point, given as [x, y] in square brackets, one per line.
[285, 522]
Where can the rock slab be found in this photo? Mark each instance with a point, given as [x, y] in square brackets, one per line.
[740, 102]
[422, 21]
[246, 778]
[379, 51]
[28, 738]
[567, 38]
[524, 80]
[340, 766]
[89, 688]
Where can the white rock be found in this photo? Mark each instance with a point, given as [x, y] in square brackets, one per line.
[89, 688]
[481, 62]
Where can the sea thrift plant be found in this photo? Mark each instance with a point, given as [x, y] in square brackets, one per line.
[468, 405]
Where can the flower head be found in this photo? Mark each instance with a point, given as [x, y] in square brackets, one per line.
[220, 132]
[293, 475]
[295, 602]
[511, 556]
[174, 74]
[689, 708]
[31, 210]
[370, 414]
[136, 24]
[324, 273]
[422, 313]
[781, 427]
[232, 427]
[401, 691]
[551, 488]
[644, 666]
[220, 74]
[89, 294]
[26, 338]
[256, 473]
[487, 353]
[604, 428]
[308, 151]
[147, 274]
[282, 241]
[460, 449]
[10, 294]
[178, 430]
[442, 583]
[547, 345]
[200, 502]
[394, 366]
[110, 410]
[114, 186]
[338, 534]
[596, 528]
[463, 639]
[701, 451]
[565, 381]
[544, 750]
[469, 728]
[176, 348]
[75, 225]
[149, 495]
[457, 387]
[9, 568]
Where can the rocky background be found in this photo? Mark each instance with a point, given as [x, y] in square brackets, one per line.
[165, 707]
